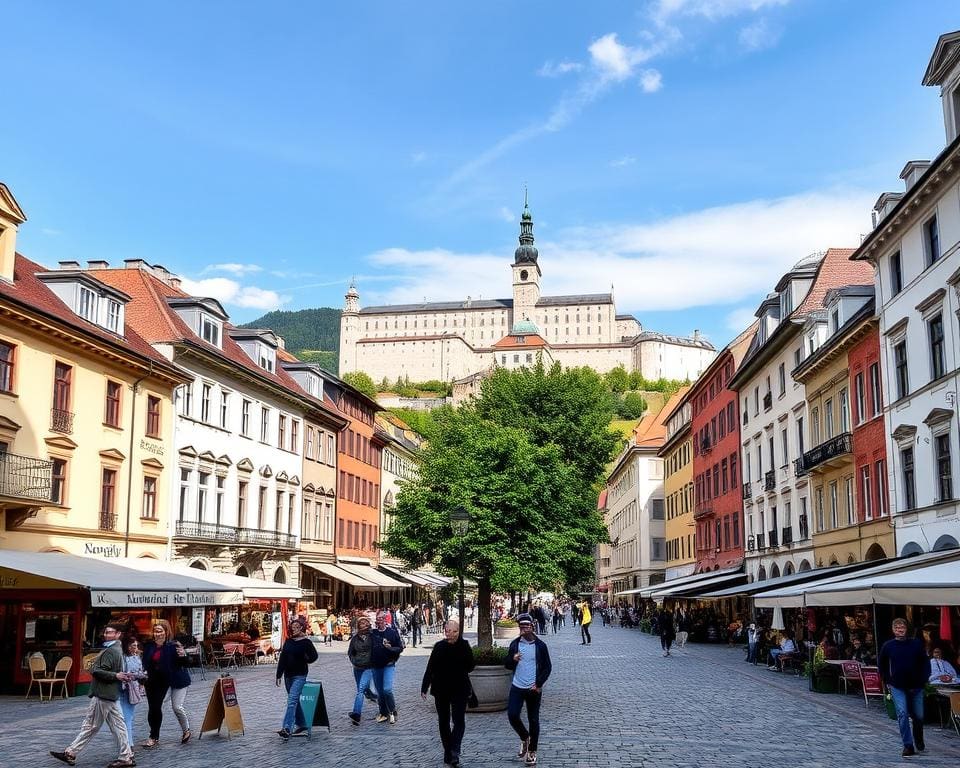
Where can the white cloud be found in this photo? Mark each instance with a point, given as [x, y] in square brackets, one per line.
[551, 69]
[716, 256]
[612, 59]
[758, 36]
[740, 318]
[651, 81]
[418, 157]
[50, 231]
[506, 214]
[230, 292]
[233, 268]
[620, 162]
[665, 10]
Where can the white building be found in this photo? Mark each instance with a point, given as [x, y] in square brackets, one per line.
[773, 406]
[915, 250]
[454, 339]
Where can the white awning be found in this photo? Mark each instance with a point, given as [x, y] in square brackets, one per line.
[934, 584]
[328, 569]
[413, 578]
[372, 575]
[694, 578]
[113, 583]
[690, 590]
[795, 596]
[253, 589]
[636, 591]
[435, 578]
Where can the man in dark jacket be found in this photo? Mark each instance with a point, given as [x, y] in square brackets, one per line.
[107, 675]
[385, 649]
[447, 678]
[905, 669]
[529, 658]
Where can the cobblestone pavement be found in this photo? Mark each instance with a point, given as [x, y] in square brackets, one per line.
[617, 702]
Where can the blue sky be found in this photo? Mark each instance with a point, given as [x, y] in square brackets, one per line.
[686, 151]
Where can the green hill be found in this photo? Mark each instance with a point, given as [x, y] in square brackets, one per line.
[312, 335]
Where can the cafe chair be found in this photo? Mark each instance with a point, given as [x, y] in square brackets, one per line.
[224, 655]
[38, 671]
[872, 684]
[60, 673]
[955, 710]
[850, 674]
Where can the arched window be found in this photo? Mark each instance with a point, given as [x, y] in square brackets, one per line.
[945, 542]
[198, 564]
[242, 571]
[280, 575]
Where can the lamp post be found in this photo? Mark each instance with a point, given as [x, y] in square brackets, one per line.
[460, 523]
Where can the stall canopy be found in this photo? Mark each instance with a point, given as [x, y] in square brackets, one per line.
[782, 581]
[636, 591]
[795, 596]
[435, 578]
[694, 589]
[696, 578]
[335, 572]
[253, 589]
[375, 577]
[933, 584]
[111, 584]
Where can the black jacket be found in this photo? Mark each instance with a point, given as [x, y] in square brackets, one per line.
[380, 655]
[295, 656]
[170, 670]
[904, 664]
[448, 670]
[544, 667]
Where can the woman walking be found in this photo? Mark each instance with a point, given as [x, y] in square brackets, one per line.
[164, 661]
[131, 690]
[585, 619]
[447, 678]
[360, 652]
[297, 654]
[665, 625]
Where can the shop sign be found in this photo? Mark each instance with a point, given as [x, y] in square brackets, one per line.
[104, 550]
[150, 447]
[138, 598]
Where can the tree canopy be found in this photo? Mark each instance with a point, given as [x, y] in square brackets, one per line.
[360, 381]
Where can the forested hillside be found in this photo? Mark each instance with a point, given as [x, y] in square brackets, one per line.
[313, 335]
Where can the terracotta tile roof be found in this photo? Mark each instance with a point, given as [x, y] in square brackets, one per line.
[149, 313]
[529, 340]
[31, 292]
[651, 432]
[836, 271]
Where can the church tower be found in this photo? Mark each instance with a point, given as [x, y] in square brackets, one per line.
[526, 271]
[349, 329]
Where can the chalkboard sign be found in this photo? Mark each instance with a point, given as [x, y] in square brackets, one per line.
[223, 706]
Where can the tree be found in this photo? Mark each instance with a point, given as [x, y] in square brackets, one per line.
[617, 379]
[631, 406]
[362, 382]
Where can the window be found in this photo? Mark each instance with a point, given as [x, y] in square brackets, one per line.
[262, 507]
[153, 416]
[907, 472]
[656, 509]
[264, 423]
[844, 411]
[896, 274]
[111, 415]
[7, 366]
[331, 450]
[784, 447]
[309, 446]
[879, 480]
[219, 501]
[266, 358]
[242, 503]
[294, 435]
[944, 469]
[62, 379]
[224, 408]
[245, 418]
[860, 411]
[876, 396]
[815, 426]
[58, 482]
[733, 471]
[782, 378]
[113, 317]
[209, 331]
[800, 436]
[938, 366]
[205, 404]
[148, 510]
[828, 418]
[202, 486]
[851, 508]
[819, 510]
[931, 240]
[866, 491]
[900, 368]
[187, 401]
[736, 529]
[184, 491]
[87, 305]
[834, 505]
[108, 498]
[281, 431]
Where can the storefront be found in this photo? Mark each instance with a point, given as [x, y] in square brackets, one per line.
[56, 605]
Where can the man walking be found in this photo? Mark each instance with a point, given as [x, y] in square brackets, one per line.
[384, 652]
[665, 625]
[417, 619]
[529, 658]
[905, 669]
[447, 678]
[297, 654]
[107, 675]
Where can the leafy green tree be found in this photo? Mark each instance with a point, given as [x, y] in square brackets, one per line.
[361, 381]
[631, 406]
[420, 421]
[617, 379]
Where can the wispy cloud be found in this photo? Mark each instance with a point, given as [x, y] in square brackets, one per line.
[702, 258]
[759, 36]
[666, 10]
[551, 69]
[651, 81]
[738, 319]
[418, 157]
[50, 231]
[621, 162]
[233, 268]
[232, 293]
[506, 214]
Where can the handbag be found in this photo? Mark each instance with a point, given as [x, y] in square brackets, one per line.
[135, 692]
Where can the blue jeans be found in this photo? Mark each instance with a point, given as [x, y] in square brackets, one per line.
[519, 696]
[383, 680]
[774, 653]
[363, 678]
[752, 652]
[909, 703]
[294, 713]
[128, 710]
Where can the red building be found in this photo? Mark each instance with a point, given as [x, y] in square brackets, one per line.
[715, 426]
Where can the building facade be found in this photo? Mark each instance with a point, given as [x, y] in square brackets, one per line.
[677, 455]
[455, 339]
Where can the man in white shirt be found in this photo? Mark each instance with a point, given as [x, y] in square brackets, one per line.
[941, 670]
[786, 646]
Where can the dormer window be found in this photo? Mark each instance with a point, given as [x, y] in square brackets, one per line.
[114, 316]
[835, 319]
[266, 357]
[786, 301]
[210, 330]
[87, 304]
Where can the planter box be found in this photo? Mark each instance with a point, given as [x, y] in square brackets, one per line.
[492, 686]
[505, 633]
[825, 684]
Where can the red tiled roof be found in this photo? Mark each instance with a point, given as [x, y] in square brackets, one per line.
[30, 291]
[836, 271]
[150, 314]
[529, 340]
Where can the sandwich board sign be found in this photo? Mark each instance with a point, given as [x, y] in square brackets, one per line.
[223, 706]
[313, 705]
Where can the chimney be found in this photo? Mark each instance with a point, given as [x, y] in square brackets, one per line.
[135, 264]
[175, 282]
[98, 264]
[68, 265]
[696, 334]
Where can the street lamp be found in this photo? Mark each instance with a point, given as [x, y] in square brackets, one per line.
[460, 523]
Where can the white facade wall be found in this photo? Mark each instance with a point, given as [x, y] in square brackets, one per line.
[661, 359]
[420, 360]
[601, 359]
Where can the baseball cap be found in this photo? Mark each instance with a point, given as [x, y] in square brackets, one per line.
[524, 618]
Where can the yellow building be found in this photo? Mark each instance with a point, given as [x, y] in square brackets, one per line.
[85, 413]
[677, 455]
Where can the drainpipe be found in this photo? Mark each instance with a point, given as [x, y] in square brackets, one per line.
[133, 421]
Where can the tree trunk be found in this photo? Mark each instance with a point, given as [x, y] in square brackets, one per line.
[484, 628]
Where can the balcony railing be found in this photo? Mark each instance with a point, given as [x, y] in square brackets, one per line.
[761, 543]
[829, 449]
[770, 480]
[108, 521]
[768, 401]
[786, 536]
[24, 477]
[748, 490]
[227, 533]
[773, 538]
[798, 468]
[701, 512]
[61, 421]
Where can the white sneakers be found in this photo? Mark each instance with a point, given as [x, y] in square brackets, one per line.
[531, 758]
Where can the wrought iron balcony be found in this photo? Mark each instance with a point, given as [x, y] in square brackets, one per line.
[773, 542]
[761, 543]
[827, 450]
[61, 421]
[770, 480]
[786, 536]
[748, 490]
[25, 477]
[187, 529]
[108, 521]
[768, 401]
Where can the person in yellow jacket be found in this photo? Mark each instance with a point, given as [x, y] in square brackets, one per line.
[585, 619]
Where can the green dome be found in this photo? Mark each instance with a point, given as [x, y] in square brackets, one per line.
[522, 327]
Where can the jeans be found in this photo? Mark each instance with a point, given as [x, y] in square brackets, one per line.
[294, 713]
[416, 633]
[585, 632]
[519, 697]
[456, 709]
[155, 696]
[128, 711]
[363, 678]
[383, 679]
[752, 652]
[909, 704]
[774, 653]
